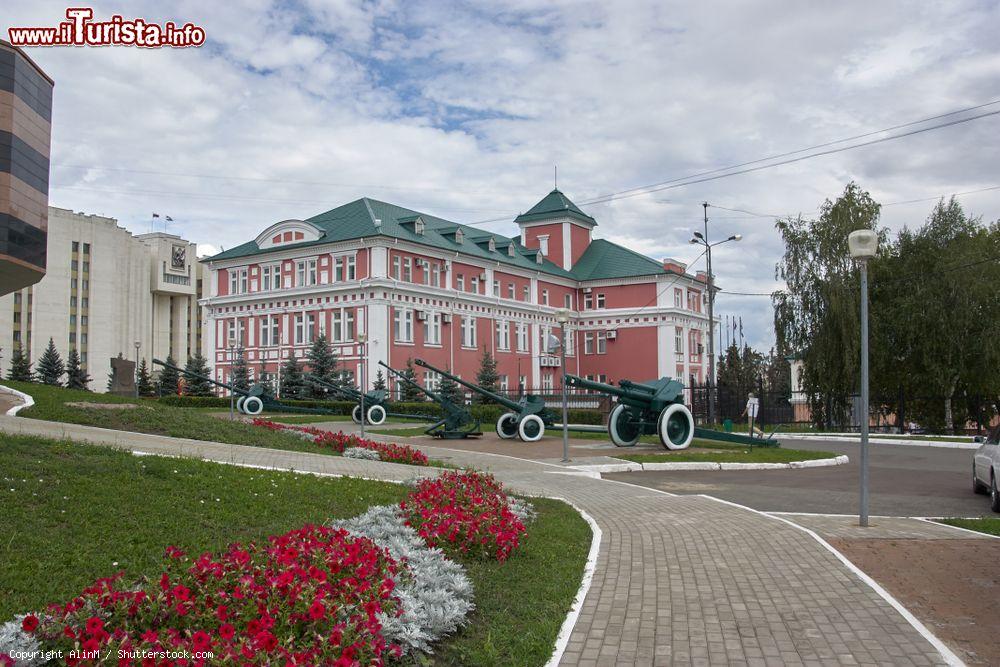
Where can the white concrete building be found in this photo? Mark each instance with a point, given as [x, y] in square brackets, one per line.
[104, 290]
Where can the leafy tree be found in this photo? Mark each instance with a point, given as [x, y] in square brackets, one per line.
[197, 386]
[168, 379]
[322, 364]
[407, 392]
[292, 386]
[20, 367]
[50, 366]
[76, 377]
[487, 377]
[240, 373]
[450, 390]
[817, 314]
[144, 380]
[379, 383]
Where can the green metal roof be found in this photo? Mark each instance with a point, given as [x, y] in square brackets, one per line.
[554, 205]
[602, 259]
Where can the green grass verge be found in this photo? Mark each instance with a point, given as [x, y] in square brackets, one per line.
[988, 525]
[79, 512]
[737, 454]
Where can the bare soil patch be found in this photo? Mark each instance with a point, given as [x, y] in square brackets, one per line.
[102, 406]
[952, 586]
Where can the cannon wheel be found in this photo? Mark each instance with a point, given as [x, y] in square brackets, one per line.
[356, 414]
[376, 415]
[252, 405]
[531, 428]
[675, 426]
[239, 403]
[622, 433]
[507, 426]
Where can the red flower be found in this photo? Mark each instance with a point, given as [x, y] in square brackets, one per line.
[29, 623]
[317, 610]
[227, 631]
[94, 625]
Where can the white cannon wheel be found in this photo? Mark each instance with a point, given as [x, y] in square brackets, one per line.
[676, 426]
[239, 403]
[616, 431]
[252, 405]
[531, 428]
[507, 426]
[356, 414]
[376, 415]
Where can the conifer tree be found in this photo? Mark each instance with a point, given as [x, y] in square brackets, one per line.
[379, 383]
[168, 379]
[487, 378]
[240, 374]
[407, 392]
[144, 381]
[76, 377]
[449, 390]
[197, 386]
[323, 366]
[291, 379]
[50, 366]
[265, 379]
[20, 367]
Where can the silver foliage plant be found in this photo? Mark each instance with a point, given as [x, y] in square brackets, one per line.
[435, 595]
[522, 509]
[361, 453]
[15, 640]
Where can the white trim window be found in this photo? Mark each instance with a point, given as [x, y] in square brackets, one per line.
[231, 330]
[678, 297]
[527, 293]
[311, 276]
[234, 281]
[460, 282]
[588, 301]
[432, 380]
[545, 297]
[468, 331]
[679, 343]
[474, 285]
[521, 333]
[503, 335]
[432, 329]
[435, 271]
[344, 268]
[396, 264]
[496, 288]
[547, 382]
[588, 343]
[243, 281]
[600, 300]
[602, 342]
[510, 291]
[543, 244]
[342, 323]
[568, 301]
[407, 269]
[268, 330]
[265, 278]
[402, 325]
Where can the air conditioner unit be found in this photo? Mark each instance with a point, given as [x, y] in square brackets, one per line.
[421, 315]
[611, 335]
[446, 318]
[482, 276]
[587, 290]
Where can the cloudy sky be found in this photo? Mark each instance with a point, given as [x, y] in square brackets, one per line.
[461, 110]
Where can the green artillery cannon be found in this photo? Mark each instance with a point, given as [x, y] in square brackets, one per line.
[528, 416]
[376, 401]
[645, 408]
[457, 422]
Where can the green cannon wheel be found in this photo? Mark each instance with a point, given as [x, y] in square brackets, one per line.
[676, 426]
[507, 426]
[376, 415]
[252, 405]
[622, 428]
[531, 428]
[356, 414]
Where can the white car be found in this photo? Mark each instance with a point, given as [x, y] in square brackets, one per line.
[986, 468]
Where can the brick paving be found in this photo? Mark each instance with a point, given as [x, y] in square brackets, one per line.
[879, 527]
[679, 579]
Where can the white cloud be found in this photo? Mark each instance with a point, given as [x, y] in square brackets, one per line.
[462, 110]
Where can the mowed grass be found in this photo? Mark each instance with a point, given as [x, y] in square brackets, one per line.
[737, 454]
[988, 525]
[154, 418]
[78, 512]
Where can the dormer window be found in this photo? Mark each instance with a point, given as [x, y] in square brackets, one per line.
[540, 257]
[459, 236]
[510, 250]
[288, 232]
[493, 244]
[418, 226]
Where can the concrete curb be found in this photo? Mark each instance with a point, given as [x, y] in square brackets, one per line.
[945, 444]
[26, 401]
[698, 465]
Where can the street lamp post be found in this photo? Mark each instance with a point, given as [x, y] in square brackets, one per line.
[562, 316]
[863, 244]
[702, 240]
[362, 339]
[232, 394]
[136, 373]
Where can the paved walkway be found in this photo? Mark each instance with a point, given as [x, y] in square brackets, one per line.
[679, 579]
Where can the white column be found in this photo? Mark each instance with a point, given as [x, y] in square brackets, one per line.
[566, 247]
[664, 350]
[380, 262]
[534, 331]
[377, 328]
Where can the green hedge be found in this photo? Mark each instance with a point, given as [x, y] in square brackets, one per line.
[484, 413]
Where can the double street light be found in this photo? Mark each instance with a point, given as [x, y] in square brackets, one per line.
[362, 339]
[702, 240]
[553, 343]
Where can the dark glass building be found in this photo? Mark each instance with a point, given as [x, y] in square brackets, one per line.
[25, 135]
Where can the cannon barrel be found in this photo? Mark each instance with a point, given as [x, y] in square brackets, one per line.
[188, 373]
[413, 383]
[577, 381]
[344, 392]
[629, 385]
[502, 400]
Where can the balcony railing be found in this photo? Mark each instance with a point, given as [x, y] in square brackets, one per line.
[176, 280]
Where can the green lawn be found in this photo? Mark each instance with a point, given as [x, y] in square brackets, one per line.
[722, 453]
[988, 525]
[79, 512]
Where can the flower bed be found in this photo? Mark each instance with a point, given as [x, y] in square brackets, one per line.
[467, 511]
[339, 441]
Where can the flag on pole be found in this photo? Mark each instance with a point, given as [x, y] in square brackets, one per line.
[741, 330]
[156, 215]
[169, 219]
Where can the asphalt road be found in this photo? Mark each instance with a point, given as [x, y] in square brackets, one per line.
[904, 481]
